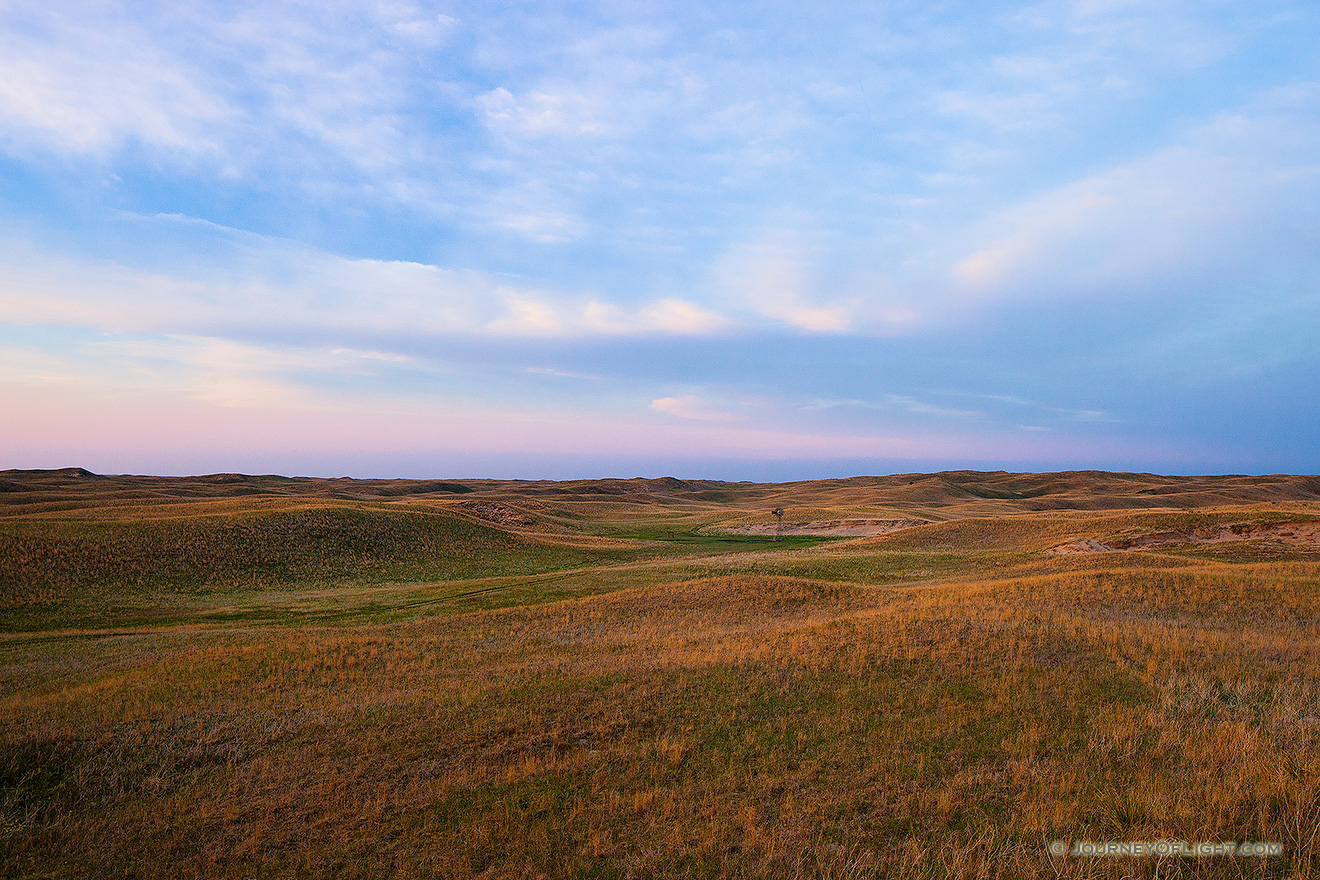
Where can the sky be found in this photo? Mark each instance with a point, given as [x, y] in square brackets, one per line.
[753, 240]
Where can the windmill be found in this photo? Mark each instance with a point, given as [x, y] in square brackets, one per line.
[779, 526]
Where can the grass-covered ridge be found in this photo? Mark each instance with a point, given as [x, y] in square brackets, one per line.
[326, 543]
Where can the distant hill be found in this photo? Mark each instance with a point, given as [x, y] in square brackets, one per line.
[991, 492]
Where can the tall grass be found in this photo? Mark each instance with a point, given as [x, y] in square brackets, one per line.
[943, 713]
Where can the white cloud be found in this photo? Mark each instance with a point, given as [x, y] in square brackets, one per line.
[562, 374]
[87, 83]
[271, 284]
[671, 316]
[921, 407]
[220, 372]
[770, 279]
[682, 317]
[890, 401]
[416, 24]
[1067, 413]
[591, 317]
[541, 113]
[277, 285]
[1004, 111]
[545, 226]
[528, 317]
[1205, 210]
[691, 407]
[230, 91]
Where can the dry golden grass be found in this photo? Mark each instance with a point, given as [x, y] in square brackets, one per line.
[937, 703]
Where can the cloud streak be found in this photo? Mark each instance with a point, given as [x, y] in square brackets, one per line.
[266, 283]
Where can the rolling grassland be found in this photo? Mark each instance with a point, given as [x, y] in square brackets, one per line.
[259, 677]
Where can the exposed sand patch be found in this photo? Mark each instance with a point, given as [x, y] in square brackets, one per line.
[840, 528]
[1299, 533]
[1080, 545]
[505, 515]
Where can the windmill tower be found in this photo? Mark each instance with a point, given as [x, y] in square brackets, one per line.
[779, 525]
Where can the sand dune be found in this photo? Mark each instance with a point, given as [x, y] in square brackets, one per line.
[1297, 533]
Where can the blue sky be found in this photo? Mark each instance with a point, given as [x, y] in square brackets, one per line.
[744, 241]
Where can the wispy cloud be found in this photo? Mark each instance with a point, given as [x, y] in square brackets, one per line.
[92, 82]
[541, 113]
[892, 402]
[1076, 415]
[692, 407]
[918, 406]
[1182, 213]
[277, 284]
[562, 374]
[770, 279]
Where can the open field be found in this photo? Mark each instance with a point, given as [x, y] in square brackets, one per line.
[233, 676]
